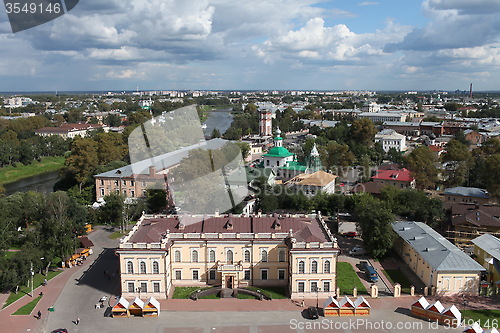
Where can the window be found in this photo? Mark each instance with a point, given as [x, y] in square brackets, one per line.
[143, 184]
[144, 287]
[156, 287]
[247, 256]
[177, 256]
[301, 287]
[194, 256]
[301, 267]
[131, 287]
[116, 183]
[132, 193]
[156, 267]
[263, 255]
[178, 275]
[102, 192]
[132, 183]
[314, 267]
[124, 183]
[314, 287]
[282, 256]
[143, 267]
[212, 274]
[229, 256]
[267, 162]
[326, 267]
[263, 274]
[277, 163]
[326, 286]
[195, 274]
[102, 181]
[130, 267]
[247, 275]
[281, 274]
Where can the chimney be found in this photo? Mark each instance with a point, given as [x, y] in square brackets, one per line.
[152, 171]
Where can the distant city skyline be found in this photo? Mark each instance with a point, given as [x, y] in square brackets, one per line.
[258, 45]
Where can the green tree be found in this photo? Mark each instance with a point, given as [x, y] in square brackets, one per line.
[215, 133]
[363, 131]
[83, 159]
[335, 154]
[421, 162]
[458, 160]
[112, 211]
[375, 218]
[156, 201]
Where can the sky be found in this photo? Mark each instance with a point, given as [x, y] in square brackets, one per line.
[257, 45]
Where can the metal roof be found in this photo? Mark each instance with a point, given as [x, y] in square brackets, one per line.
[467, 192]
[489, 244]
[437, 251]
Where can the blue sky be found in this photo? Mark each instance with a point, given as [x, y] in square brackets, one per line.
[273, 44]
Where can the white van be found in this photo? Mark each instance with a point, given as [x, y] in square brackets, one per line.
[357, 251]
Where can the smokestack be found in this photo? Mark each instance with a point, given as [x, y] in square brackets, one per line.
[470, 91]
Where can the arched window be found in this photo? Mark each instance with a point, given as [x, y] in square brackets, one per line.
[263, 256]
[326, 268]
[194, 256]
[143, 267]
[302, 267]
[247, 256]
[130, 267]
[156, 267]
[282, 256]
[212, 256]
[177, 256]
[314, 267]
[229, 256]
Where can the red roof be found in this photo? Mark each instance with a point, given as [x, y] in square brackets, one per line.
[435, 148]
[403, 175]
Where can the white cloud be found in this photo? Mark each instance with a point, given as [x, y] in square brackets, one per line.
[368, 3]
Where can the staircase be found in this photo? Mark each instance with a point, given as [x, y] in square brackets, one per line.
[226, 293]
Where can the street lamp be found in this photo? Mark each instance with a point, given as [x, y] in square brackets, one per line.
[32, 273]
[317, 296]
[139, 290]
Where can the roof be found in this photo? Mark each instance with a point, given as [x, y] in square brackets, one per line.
[331, 302]
[86, 242]
[346, 302]
[403, 175]
[389, 134]
[294, 165]
[474, 328]
[453, 311]
[436, 307]
[467, 192]
[137, 303]
[305, 229]
[278, 152]
[421, 303]
[437, 251]
[489, 244]
[369, 187]
[68, 127]
[361, 302]
[389, 166]
[152, 303]
[122, 303]
[319, 178]
[161, 162]
[477, 217]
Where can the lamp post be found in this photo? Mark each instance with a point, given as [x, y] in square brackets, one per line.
[317, 296]
[31, 272]
[139, 290]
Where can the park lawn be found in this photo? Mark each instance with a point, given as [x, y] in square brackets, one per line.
[273, 292]
[28, 308]
[117, 234]
[24, 290]
[11, 174]
[398, 276]
[184, 292]
[486, 318]
[347, 279]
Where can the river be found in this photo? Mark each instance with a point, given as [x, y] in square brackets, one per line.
[40, 183]
[220, 119]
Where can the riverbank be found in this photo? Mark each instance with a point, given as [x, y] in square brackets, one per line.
[10, 174]
[205, 109]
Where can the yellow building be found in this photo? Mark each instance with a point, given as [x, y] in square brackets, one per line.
[487, 253]
[441, 266]
[294, 251]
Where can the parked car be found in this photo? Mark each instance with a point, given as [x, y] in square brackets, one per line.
[60, 330]
[313, 312]
[370, 272]
[350, 234]
[357, 251]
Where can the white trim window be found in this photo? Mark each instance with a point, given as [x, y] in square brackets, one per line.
[314, 267]
[194, 255]
[282, 255]
[263, 255]
[211, 255]
[177, 256]
[130, 267]
[196, 274]
[301, 286]
[142, 267]
[156, 267]
[326, 267]
[246, 256]
[302, 267]
[131, 287]
[156, 286]
[264, 274]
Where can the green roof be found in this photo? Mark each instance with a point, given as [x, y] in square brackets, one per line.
[278, 138]
[294, 165]
[278, 152]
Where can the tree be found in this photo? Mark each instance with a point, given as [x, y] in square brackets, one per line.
[335, 154]
[110, 147]
[363, 131]
[113, 120]
[156, 200]
[458, 160]
[83, 159]
[215, 133]
[375, 218]
[421, 162]
[112, 211]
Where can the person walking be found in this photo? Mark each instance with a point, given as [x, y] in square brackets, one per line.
[77, 321]
[39, 315]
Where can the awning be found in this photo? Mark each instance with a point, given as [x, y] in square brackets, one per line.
[86, 242]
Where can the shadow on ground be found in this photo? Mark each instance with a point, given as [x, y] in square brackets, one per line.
[103, 273]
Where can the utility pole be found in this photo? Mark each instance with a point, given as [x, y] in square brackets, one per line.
[31, 271]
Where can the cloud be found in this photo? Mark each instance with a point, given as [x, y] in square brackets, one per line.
[368, 3]
[466, 7]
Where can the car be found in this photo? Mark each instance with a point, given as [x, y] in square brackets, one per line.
[313, 312]
[357, 251]
[370, 273]
[350, 234]
[60, 330]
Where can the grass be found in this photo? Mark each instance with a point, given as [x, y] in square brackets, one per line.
[24, 290]
[398, 276]
[9, 254]
[274, 292]
[117, 234]
[28, 308]
[486, 318]
[11, 174]
[184, 292]
[347, 279]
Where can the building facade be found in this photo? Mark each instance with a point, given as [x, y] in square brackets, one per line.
[391, 139]
[487, 254]
[291, 251]
[439, 264]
